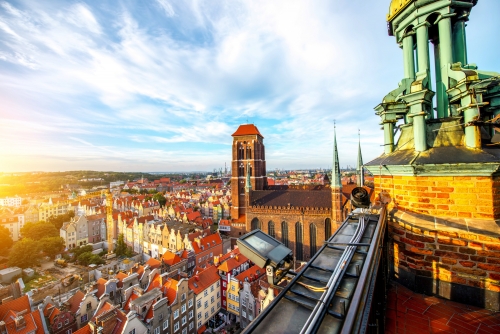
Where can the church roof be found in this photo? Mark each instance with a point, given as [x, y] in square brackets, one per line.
[247, 129]
[295, 198]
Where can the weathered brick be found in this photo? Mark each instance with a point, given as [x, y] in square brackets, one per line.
[448, 248]
[443, 189]
[468, 236]
[451, 241]
[442, 195]
[432, 258]
[448, 261]
[475, 272]
[451, 255]
[475, 245]
[459, 280]
[397, 231]
[493, 287]
[466, 250]
[467, 264]
[421, 251]
[448, 234]
[493, 247]
[477, 284]
[488, 253]
[489, 267]
[478, 258]
[493, 260]
[413, 242]
[417, 237]
[464, 214]
[494, 276]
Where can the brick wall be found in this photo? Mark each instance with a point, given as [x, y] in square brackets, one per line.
[444, 196]
[446, 254]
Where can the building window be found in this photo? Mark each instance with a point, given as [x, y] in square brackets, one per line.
[212, 299]
[206, 315]
[328, 228]
[183, 320]
[83, 318]
[270, 229]
[176, 326]
[198, 303]
[190, 314]
[191, 325]
[212, 310]
[206, 293]
[255, 224]
[284, 233]
[59, 325]
[299, 237]
[132, 331]
[243, 313]
[190, 303]
[312, 239]
[176, 314]
[199, 315]
[218, 304]
[183, 308]
[184, 331]
[89, 306]
[157, 330]
[218, 283]
[183, 297]
[165, 324]
[66, 321]
[212, 288]
[206, 303]
[218, 294]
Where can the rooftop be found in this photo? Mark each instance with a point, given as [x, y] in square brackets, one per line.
[247, 129]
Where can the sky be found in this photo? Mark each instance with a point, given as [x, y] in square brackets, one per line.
[161, 85]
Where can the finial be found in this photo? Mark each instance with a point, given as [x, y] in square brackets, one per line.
[334, 125]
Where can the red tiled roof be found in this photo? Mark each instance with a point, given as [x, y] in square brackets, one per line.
[46, 311]
[18, 305]
[207, 242]
[204, 279]
[202, 329]
[171, 258]
[157, 282]
[251, 274]
[247, 129]
[153, 263]
[33, 324]
[407, 311]
[75, 300]
[53, 315]
[84, 330]
[132, 297]
[232, 263]
[170, 290]
[104, 308]
[100, 287]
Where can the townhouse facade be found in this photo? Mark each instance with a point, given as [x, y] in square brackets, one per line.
[206, 287]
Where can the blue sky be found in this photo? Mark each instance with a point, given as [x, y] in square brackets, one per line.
[161, 85]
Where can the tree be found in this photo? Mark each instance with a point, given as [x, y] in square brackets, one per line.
[121, 246]
[58, 220]
[38, 231]
[52, 246]
[160, 199]
[82, 249]
[88, 258]
[24, 253]
[5, 240]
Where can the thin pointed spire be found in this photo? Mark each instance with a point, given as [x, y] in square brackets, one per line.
[248, 185]
[359, 167]
[336, 179]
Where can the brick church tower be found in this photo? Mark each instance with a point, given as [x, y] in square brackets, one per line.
[248, 155]
[443, 172]
[336, 184]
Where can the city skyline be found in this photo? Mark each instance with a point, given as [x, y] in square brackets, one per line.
[163, 85]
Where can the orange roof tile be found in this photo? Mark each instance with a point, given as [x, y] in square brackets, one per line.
[157, 282]
[232, 263]
[153, 263]
[84, 330]
[171, 258]
[18, 305]
[251, 274]
[204, 279]
[247, 129]
[75, 300]
[170, 290]
[53, 315]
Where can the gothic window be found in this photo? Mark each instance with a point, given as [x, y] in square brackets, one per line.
[312, 239]
[328, 228]
[249, 152]
[241, 152]
[284, 233]
[270, 229]
[241, 170]
[255, 224]
[299, 237]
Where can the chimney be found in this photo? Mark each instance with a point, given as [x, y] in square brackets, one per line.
[20, 322]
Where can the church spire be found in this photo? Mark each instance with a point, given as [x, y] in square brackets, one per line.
[336, 179]
[360, 179]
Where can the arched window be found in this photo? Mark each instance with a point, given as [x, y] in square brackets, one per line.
[241, 153]
[299, 237]
[249, 153]
[270, 229]
[328, 228]
[255, 224]
[312, 239]
[284, 233]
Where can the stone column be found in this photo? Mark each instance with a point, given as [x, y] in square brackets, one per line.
[408, 58]
[445, 61]
[459, 41]
[423, 49]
